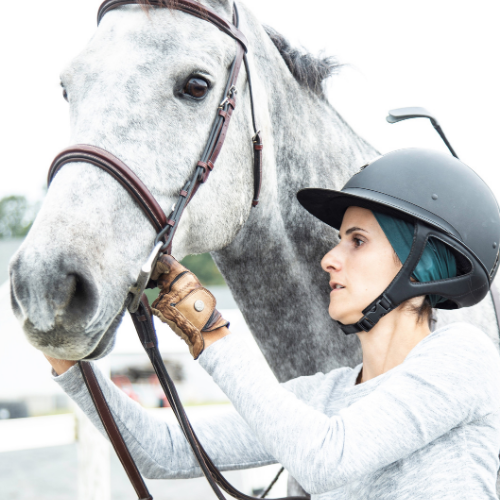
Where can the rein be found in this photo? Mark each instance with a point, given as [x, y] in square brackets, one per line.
[165, 227]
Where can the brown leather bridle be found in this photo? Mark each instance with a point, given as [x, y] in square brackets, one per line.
[165, 227]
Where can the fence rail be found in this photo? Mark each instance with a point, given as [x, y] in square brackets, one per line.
[37, 432]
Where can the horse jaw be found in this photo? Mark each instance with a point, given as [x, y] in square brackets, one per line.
[71, 276]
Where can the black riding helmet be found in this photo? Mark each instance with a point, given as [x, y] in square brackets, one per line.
[444, 199]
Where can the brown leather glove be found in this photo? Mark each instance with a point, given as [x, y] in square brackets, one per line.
[184, 304]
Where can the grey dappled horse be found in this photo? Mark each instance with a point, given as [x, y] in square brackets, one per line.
[71, 276]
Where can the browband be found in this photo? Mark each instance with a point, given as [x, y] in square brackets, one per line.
[187, 6]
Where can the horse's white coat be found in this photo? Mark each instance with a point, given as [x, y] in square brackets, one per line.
[71, 276]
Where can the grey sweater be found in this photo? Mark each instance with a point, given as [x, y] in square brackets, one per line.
[427, 429]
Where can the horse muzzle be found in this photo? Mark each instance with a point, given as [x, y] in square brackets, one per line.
[59, 306]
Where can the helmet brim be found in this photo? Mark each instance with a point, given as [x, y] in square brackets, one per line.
[329, 205]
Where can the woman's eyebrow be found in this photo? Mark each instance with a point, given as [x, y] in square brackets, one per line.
[352, 229]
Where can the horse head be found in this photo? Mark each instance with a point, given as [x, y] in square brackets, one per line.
[145, 88]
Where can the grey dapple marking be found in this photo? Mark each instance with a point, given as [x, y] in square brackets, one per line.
[71, 276]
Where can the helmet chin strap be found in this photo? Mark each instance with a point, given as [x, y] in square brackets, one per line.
[391, 297]
[402, 288]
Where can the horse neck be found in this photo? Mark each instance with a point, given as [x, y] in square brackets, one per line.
[273, 266]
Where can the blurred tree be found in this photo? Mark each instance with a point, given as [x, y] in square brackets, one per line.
[204, 267]
[16, 216]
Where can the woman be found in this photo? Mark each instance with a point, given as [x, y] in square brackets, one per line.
[419, 418]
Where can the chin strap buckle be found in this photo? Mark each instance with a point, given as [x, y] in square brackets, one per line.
[374, 312]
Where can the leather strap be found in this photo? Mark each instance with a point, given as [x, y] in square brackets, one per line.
[187, 6]
[257, 167]
[218, 141]
[113, 432]
[213, 147]
[166, 229]
[143, 323]
[119, 171]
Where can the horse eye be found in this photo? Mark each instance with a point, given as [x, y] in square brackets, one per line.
[196, 87]
[65, 94]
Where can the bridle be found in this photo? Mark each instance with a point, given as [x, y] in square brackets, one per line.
[165, 227]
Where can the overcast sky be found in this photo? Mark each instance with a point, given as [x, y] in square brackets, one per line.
[440, 54]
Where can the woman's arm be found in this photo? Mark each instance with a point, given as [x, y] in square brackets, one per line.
[447, 380]
[160, 449]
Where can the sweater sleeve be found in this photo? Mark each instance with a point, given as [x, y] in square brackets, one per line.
[159, 448]
[440, 385]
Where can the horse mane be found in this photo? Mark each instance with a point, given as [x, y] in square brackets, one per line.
[310, 71]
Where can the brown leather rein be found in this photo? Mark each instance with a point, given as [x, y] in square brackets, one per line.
[165, 227]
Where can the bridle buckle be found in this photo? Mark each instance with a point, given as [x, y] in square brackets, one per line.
[232, 91]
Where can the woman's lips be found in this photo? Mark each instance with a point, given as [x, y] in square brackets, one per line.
[336, 287]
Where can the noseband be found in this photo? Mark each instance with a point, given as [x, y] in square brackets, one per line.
[165, 228]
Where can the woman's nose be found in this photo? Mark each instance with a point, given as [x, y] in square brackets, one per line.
[331, 261]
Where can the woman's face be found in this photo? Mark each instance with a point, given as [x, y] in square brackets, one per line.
[361, 266]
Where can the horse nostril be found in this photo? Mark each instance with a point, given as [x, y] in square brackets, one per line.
[63, 292]
[83, 294]
[52, 295]
[73, 296]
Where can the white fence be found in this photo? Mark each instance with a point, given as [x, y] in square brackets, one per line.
[94, 451]
[37, 432]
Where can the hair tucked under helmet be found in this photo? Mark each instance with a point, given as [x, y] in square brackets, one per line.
[437, 261]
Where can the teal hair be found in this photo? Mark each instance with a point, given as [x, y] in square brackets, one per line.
[436, 263]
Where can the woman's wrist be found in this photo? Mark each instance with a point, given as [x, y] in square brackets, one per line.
[211, 337]
[60, 365]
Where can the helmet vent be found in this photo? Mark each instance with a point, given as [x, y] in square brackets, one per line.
[427, 261]
[464, 265]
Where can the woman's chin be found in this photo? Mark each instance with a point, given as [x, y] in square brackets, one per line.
[346, 318]
[336, 315]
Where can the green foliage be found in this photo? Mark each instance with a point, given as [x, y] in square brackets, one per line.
[16, 216]
[151, 294]
[204, 267]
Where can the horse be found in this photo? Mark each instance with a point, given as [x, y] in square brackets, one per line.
[127, 94]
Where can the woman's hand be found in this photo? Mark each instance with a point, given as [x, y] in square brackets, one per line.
[187, 307]
[60, 365]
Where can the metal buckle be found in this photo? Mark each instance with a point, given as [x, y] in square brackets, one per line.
[254, 138]
[144, 276]
[230, 94]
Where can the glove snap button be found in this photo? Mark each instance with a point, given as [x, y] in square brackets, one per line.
[199, 305]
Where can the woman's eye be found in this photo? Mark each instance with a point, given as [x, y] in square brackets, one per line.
[196, 87]
[358, 242]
